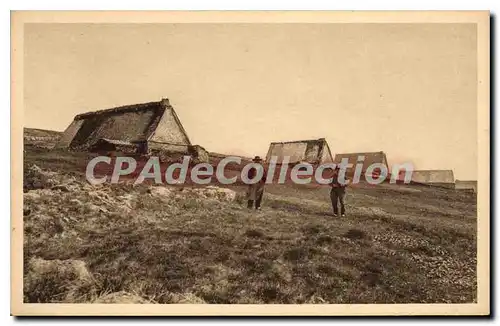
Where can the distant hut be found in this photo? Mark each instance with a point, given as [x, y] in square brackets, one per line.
[365, 159]
[440, 178]
[315, 151]
[467, 185]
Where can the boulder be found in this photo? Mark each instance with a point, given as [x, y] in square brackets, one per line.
[160, 191]
[56, 280]
[214, 192]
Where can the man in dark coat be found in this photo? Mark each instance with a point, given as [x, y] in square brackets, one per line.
[338, 193]
[255, 191]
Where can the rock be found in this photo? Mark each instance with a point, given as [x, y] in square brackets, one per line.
[64, 188]
[187, 298]
[101, 196]
[103, 209]
[94, 208]
[281, 270]
[75, 267]
[31, 195]
[35, 169]
[76, 201]
[67, 187]
[160, 191]
[222, 194]
[56, 280]
[35, 184]
[121, 297]
[126, 201]
[373, 211]
[47, 225]
[315, 299]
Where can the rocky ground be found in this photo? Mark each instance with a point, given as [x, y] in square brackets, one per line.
[156, 244]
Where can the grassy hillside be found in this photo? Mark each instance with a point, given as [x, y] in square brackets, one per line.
[41, 138]
[34, 132]
[124, 243]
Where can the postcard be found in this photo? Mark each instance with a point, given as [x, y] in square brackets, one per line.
[250, 163]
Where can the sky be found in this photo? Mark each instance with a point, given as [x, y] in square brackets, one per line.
[409, 90]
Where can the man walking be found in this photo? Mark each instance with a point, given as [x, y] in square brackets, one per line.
[338, 193]
[255, 191]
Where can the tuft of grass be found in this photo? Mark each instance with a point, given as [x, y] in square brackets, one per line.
[252, 233]
[355, 234]
[324, 239]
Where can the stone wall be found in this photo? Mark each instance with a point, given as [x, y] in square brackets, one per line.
[70, 132]
[169, 130]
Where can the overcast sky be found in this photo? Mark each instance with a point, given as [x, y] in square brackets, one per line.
[407, 89]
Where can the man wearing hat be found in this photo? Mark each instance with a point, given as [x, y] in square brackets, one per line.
[256, 190]
[338, 192]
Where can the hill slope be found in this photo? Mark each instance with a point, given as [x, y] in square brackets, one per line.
[41, 137]
[124, 243]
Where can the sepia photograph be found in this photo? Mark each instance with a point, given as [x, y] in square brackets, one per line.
[250, 163]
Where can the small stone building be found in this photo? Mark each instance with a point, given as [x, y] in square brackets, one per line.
[315, 151]
[466, 185]
[146, 128]
[440, 178]
[364, 158]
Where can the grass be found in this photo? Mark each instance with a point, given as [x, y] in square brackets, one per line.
[119, 243]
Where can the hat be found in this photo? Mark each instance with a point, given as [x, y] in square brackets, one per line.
[257, 159]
